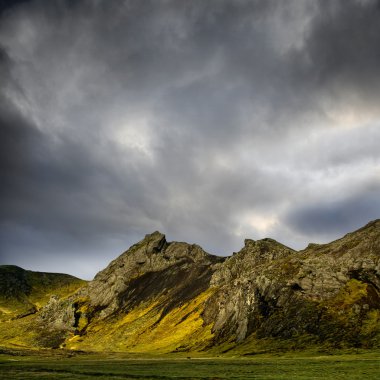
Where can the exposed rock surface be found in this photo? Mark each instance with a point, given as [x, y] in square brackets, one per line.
[175, 296]
[328, 291]
[151, 264]
[242, 284]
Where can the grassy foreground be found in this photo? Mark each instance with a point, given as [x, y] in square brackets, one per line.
[94, 366]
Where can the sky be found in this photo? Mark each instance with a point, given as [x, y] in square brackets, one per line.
[210, 121]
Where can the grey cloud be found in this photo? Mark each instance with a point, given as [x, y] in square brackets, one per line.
[206, 120]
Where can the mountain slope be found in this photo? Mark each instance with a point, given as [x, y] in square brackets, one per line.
[164, 297]
[23, 294]
[149, 298]
[23, 291]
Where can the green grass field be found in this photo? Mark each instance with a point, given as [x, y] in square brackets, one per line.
[347, 366]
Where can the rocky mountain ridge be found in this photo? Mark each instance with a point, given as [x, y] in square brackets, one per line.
[161, 296]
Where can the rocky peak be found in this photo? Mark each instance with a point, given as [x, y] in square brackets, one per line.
[151, 254]
[265, 249]
[253, 255]
[240, 286]
[155, 242]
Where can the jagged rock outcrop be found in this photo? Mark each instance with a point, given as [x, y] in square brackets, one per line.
[153, 263]
[162, 296]
[328, 292]
[241, 285]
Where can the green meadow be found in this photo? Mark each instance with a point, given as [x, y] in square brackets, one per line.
[95, 366]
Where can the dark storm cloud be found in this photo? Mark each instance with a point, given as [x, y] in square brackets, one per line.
[6, 5]
[335, 217]
[342, 45]
[206, 120]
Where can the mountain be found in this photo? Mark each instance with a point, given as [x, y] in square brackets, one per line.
[161, 296]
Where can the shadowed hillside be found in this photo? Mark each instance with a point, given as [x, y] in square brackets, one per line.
[24, 292]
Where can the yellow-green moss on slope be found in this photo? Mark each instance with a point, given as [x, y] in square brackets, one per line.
[353, 314]
[19, 332]
[40, 295]
[144, 330]
[351, 293]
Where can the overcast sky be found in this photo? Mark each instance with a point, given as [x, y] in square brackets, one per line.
[210, 121]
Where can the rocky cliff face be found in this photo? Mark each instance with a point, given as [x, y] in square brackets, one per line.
[148, 269]
[161, 296]
[241, 286]
[326, 292]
